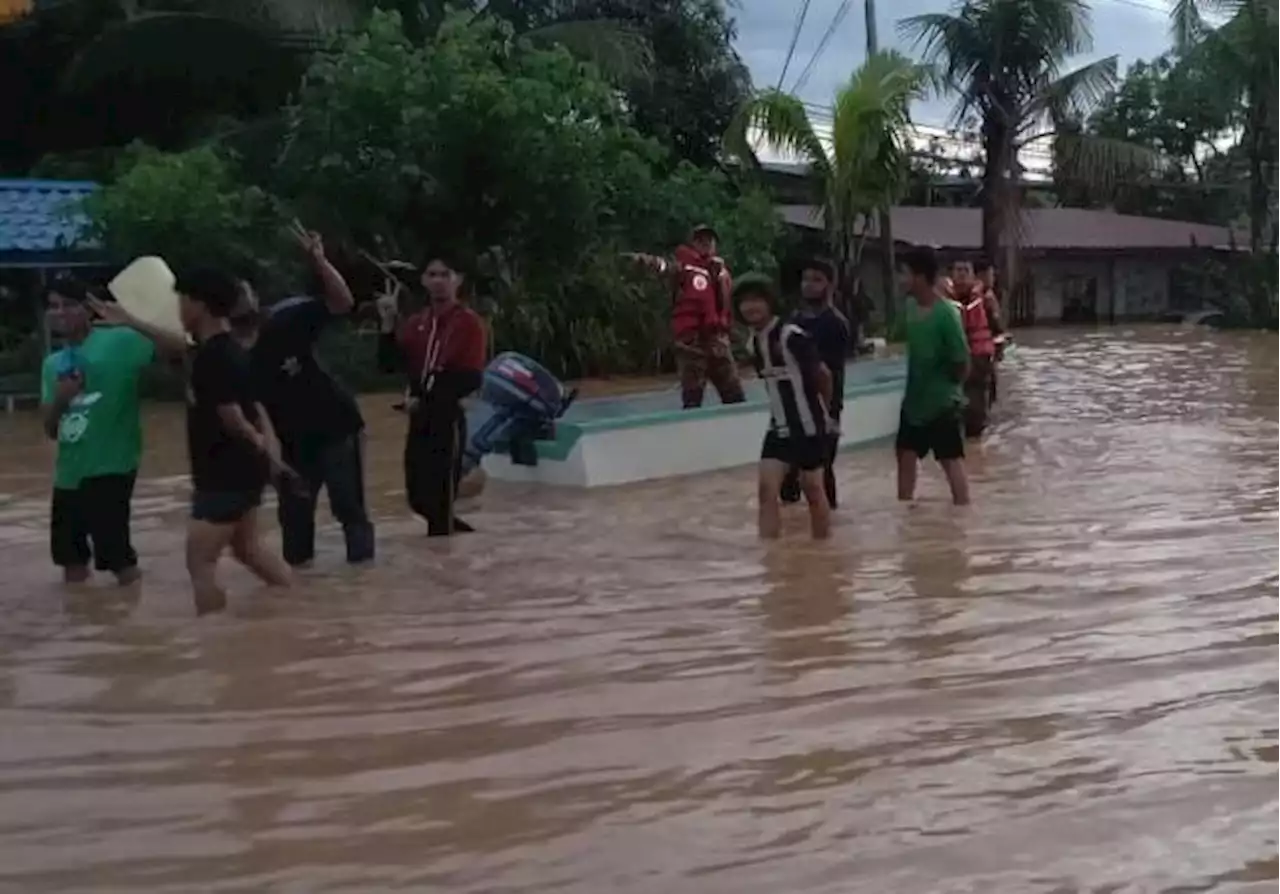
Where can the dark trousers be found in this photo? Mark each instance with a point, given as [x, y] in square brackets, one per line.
[338, 467]
[433, 467]
[92, 522]
[977, 393]
[791, 483]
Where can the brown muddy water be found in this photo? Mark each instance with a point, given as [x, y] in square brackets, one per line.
[1069, 688]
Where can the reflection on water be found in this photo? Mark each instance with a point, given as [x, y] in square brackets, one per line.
[1071, 687]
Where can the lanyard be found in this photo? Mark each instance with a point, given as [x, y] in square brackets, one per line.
[435, 345]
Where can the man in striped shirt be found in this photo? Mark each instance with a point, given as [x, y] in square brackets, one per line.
[799, 389]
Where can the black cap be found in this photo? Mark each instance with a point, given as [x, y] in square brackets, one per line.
[703, 229]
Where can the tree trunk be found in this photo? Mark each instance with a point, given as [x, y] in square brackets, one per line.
[997, 199]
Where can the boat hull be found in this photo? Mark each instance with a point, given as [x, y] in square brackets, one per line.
[625, 449]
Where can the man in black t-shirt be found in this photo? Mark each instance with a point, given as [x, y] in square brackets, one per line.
[234, 451]
[318, 422]
[832, 334]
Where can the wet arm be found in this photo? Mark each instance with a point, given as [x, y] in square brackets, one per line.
[994, 320]
[51, 417]
[236, 423]
[337, 294]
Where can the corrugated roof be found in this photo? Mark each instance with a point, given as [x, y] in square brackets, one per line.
[1044, 228]
[34, 214]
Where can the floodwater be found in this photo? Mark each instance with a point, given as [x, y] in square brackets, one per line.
[1069, 688]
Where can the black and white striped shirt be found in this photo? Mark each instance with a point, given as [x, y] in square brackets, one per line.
[786, 360]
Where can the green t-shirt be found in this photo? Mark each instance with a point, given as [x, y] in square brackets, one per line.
[101, 431]
[936, 345]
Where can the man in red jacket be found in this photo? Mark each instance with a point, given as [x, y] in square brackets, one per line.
[700, 318]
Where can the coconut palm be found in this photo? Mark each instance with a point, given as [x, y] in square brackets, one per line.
[866, 169]
[1242, 53]
[235, 43]
[1006, 60]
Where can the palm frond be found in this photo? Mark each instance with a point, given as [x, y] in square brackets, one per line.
[1074, 96]
[781, 121]
[617, 48]
[211, 49]
[1101, 163]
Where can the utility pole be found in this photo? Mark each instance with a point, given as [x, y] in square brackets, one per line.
[888, 267]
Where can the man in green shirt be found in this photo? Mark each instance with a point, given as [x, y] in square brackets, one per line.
[937, 364]
[90, 406]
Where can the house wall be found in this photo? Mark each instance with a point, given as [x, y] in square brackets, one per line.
[1131, 288]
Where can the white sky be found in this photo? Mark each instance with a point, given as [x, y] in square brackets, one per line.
[1131, 29]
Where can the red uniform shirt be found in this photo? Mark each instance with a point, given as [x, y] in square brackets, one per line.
[453, 339]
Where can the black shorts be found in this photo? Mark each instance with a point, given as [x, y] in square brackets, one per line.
[943, 436]
[92, 522]
[806, 452]
[224, 507]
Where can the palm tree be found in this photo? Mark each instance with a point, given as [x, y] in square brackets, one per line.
[1242, 54]
[867, 169]
[234, 42]
[1005, 59]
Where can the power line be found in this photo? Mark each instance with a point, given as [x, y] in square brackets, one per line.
[795, 37]
[841, 12]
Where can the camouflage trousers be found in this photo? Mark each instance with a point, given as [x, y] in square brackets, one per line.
[703, 357]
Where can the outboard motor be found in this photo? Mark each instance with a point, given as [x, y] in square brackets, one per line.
[525, 401]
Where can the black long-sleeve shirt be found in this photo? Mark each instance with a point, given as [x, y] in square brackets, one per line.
[832, 334]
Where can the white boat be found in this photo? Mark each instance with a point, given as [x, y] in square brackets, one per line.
[621, 440]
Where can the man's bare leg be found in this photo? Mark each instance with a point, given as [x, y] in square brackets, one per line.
[75, 574]
[247, 547]
[205, 543]
[957, 479]
[908, 467]
[815, 494]
[771, 474]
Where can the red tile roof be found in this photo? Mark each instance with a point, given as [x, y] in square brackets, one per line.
[1043, 228]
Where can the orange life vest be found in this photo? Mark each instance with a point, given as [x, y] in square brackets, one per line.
[973, 311]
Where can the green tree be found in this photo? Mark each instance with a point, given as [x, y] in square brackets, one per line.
[868, 167]
[189, 208]
[490, 147]
[1005, 59]
[1242, 55]
[1174, 107]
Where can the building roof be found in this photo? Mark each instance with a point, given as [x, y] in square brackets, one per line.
[1046, 229]
[37, 218]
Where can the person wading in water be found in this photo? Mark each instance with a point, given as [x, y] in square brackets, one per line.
[937, 367]
[89, 400]
[444, 348]
[701, 318]
[970, 296]
[234, 451]
[985, 272]
[799, 388]
[832, 335]
[317, 420]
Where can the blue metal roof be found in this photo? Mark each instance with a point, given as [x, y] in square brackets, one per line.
[39, 217]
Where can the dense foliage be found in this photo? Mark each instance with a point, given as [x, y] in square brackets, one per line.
[482, 145]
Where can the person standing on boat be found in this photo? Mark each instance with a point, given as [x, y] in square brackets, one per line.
[701, 318]
[316, 419]
[444, 347]
[970, 296]
[798, 385]
[832, 335]
[937, 368]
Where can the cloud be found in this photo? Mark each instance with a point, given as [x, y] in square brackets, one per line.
[1131, 29]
